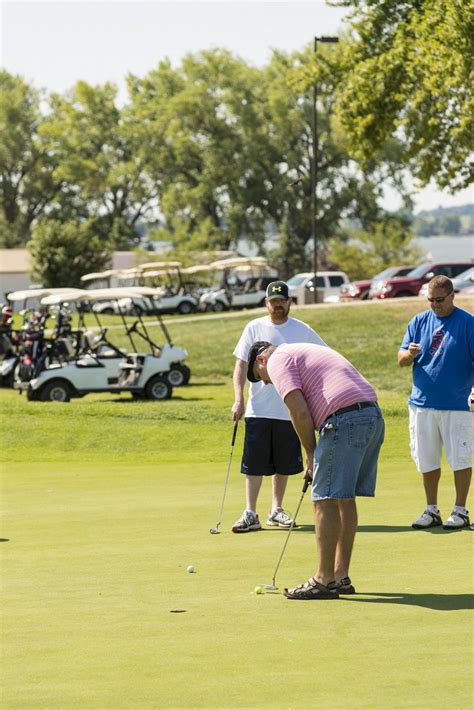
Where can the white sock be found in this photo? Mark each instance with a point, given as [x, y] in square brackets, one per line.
[460, 509]
[432, 509]
[252, 511]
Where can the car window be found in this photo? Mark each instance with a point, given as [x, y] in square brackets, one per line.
[319, 282]
[419, 271]
[458, 269]
[336, 280]
[296, 280]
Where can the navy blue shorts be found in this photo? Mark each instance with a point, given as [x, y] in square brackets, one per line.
[270, 446]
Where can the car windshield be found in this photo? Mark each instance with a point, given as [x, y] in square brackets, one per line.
[296, 280]
[466, 275]
[386, 273]
[419, 271]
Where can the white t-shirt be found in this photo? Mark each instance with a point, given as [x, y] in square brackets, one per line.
[263, 400]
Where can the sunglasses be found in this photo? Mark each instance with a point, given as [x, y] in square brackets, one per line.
[439, 299]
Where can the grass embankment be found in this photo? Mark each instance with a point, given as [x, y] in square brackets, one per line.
[107, 500]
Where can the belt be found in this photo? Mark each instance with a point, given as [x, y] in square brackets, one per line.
[351, 408]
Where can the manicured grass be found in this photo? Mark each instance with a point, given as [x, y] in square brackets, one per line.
[106, 501]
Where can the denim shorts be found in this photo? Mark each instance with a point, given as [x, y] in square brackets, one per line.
[345, 459]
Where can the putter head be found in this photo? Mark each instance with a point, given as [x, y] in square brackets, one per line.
[214, 531]
[270, 587]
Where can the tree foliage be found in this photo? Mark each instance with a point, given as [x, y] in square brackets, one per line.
[62, 253]
[408, 68]
[28, 181]
[362, 254]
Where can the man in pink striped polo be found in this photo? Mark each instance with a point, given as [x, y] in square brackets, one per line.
[324, 392]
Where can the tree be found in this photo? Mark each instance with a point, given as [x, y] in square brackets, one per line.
[408, 70]
[63, 252]
[99, 161]
[28, 181]
[364, 253]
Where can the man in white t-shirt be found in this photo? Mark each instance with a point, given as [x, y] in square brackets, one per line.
[271, 446]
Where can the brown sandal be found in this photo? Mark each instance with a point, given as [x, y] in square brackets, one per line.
[313, 590]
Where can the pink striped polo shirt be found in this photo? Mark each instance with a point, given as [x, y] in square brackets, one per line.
[327, 380]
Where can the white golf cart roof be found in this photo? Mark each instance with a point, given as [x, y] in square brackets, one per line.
[30, 293]
[153, 265]
[199, 268]
[238, 262]
[96, 294]
[100, 275]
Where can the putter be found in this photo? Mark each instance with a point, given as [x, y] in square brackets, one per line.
[272, 587]
[215, 531]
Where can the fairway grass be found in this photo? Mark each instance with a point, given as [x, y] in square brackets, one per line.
[105, 502]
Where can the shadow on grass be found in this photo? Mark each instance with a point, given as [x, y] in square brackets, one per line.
[438, 602]
[139, 400]
[4, 539]
[406, 528]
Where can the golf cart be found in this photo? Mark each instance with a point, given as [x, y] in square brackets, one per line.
[172, 296]
[171, 355]
[144, 375]
[244, 284]
[28, 345]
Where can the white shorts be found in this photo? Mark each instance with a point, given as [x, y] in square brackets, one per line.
[431, 429]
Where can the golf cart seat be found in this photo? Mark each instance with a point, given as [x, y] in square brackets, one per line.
[88, 361]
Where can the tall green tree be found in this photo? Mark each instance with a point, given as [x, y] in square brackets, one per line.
[28, 178]
[99, 161]
[408, 72]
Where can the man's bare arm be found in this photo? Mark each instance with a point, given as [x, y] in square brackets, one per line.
[406, 357]
[239, 379]
[303, 424]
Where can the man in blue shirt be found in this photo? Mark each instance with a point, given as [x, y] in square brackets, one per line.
[439, 344]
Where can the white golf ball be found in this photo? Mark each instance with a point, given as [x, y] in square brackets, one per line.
[190, 568]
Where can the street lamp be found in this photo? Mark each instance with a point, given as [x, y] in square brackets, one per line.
[314, 172]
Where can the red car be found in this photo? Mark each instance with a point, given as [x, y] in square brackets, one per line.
[410, 285]
[360, 289]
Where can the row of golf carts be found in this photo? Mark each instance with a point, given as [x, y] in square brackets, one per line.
[232, 283]
[65, 362]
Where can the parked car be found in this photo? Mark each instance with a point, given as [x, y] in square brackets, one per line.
[411, 284]
[463, 284]
[328, 283]
[249, 294]
[360, 289]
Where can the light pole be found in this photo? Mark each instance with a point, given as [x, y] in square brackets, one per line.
[314, 172]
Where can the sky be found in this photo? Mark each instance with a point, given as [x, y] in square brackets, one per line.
[54, 44]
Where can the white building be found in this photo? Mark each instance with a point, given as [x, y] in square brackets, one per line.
[16, 266]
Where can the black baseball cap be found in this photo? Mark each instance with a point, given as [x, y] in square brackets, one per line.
[255, 350]
[277, 289]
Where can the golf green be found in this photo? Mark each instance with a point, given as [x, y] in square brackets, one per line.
[100, 612]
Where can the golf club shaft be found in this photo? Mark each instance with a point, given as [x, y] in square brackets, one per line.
[305, 487]
[234, 434]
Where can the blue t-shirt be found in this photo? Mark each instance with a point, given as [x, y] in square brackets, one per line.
[443, 371]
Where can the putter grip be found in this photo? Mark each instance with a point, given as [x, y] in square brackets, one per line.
[235, 432]
[305, 485]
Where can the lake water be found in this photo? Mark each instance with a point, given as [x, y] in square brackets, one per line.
[446, 248]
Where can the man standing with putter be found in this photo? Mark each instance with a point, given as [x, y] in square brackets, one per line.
[324, 392]
[271, 446]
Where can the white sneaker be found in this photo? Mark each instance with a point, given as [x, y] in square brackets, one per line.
[457, 520]
[427, 520]
[279, 518]
[248, 522]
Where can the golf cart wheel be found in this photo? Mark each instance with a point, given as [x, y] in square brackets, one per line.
[55, 391]
[31, 395]
[218, 306]
[158, 388]
[179, 375]
[185, 308]
[108, 311]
